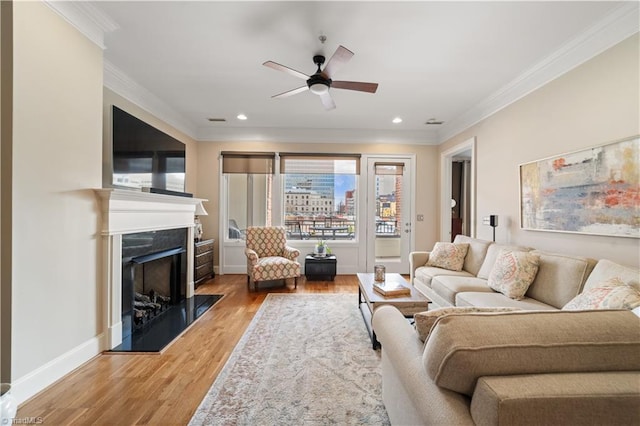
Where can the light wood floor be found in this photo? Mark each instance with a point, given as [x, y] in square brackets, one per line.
[164, 389]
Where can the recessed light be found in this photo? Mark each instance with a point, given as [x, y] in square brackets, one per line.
[242, 117]
[396, 120]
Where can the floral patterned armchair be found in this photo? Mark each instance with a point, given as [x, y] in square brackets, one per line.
[268, 256]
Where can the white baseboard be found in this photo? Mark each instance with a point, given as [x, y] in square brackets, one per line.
[36, 381]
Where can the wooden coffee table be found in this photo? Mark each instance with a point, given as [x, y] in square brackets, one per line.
[369, 300]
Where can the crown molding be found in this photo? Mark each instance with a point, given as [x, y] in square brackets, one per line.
[119, 82]
[617, 26]
[86, 18]
[306, 135]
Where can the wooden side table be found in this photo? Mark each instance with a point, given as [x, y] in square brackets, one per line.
[320, 268]
[203, 262]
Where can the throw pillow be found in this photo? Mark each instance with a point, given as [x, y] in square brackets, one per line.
[513, 273]
[424, 321]
[448, 255]
[611, 294]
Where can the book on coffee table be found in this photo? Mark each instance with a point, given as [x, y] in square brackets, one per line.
[391, 289]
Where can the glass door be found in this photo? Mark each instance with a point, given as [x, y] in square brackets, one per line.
[389, 213]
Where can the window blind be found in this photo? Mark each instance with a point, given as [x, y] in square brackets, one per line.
[248, 162]
[305, 163]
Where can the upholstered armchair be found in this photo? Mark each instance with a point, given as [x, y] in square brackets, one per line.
[269, 257]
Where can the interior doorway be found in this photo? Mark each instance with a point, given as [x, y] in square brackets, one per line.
[457, 202]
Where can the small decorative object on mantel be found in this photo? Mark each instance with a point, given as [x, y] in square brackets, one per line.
[197, 232]
[379, 272]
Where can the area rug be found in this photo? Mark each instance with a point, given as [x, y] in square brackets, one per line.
[305, 359]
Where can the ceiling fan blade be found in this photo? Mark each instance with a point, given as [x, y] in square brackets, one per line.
[288, 70]
[291, 92]
[327, 101]
[355, 85]
[341, 56]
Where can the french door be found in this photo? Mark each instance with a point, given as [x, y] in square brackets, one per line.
[389, 213]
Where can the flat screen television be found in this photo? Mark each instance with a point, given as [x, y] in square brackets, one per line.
[145, 157]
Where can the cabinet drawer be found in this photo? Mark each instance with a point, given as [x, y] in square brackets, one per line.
[203, 271]
[204, 258]
[204, 246]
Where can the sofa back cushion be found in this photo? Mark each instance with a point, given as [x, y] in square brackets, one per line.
[560, 278]
[462, 348]
[476, 253]
[606, 269]
[492, 256]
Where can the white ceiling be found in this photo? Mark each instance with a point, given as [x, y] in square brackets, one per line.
[453, 61]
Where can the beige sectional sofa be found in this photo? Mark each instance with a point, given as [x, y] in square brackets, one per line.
[538, 365]
[514, 368]
[559, 279]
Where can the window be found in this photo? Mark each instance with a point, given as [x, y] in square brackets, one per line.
[248, 179]
[328, 182]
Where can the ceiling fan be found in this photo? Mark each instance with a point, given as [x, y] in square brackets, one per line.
[320, 82]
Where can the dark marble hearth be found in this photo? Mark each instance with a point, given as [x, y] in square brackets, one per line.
[154, 336]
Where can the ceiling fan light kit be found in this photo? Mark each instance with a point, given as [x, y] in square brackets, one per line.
[320, 82]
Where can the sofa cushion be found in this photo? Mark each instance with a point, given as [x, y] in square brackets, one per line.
[448, 286]
[492, 255]
[424, 320]
[608, 398]
[463, 348]
[560, 278]
[426, 273]
[606, 269]
[448, 256]
[476, 253]
[611, 294]
[493, 299]
[513, 273]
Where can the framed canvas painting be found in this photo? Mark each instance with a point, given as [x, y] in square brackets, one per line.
[594, 191]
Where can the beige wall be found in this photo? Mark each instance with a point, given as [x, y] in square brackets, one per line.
[6, 141]
[111, 98]
[426, 178]
[595, 103]
[57, 144]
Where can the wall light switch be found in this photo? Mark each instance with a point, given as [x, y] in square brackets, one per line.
[420, 218]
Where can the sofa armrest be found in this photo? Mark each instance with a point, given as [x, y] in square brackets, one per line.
[416, 260]
[252, 256]
[291, 253]
[417, 397]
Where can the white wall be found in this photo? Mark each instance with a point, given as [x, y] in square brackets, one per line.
[57, 145]
[595, 103]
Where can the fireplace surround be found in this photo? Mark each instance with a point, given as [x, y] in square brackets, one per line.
[130, 212]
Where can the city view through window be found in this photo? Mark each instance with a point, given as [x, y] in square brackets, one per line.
[319, 200]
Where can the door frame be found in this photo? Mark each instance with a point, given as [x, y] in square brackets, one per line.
[446, 158]
[369, 240]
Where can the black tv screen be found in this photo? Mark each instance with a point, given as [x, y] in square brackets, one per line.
[144, 156]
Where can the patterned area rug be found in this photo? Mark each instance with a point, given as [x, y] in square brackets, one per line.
[304, 359]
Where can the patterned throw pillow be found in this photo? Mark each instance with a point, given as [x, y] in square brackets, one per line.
[448, 255]
[513, 273]
[424, 321]
[611, 294]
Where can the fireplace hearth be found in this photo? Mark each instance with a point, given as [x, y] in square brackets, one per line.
[133, 225]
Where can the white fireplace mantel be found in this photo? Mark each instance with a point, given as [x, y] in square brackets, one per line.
[130, 211]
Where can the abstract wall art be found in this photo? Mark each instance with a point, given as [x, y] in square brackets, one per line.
[594, 191]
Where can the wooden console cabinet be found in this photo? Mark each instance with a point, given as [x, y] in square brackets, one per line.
[203, 262]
